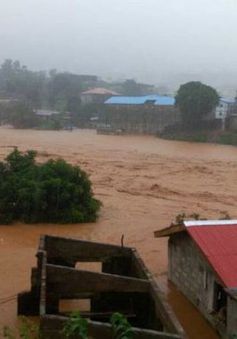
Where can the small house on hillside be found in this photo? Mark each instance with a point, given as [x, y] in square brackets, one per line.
[203, 265]
[149, 114]
[96, 95]
[224, 110]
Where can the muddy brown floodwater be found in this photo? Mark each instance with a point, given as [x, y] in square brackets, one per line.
[143, 182]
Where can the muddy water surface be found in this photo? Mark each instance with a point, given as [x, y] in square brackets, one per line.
[143, 183]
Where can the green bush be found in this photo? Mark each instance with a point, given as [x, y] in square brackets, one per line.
[76, 326]
[26, 330]
[228, 138]
[53, 123]
[121, 327]
[54, 191]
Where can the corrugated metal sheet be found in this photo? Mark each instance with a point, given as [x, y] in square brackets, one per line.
[119, 100]
[141, 100]
[163, 100]
[218, 243]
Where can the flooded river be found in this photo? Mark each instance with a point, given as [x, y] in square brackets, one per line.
[143, 183]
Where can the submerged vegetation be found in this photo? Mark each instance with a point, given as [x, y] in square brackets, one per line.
[121, 327]
[77, 327]
[54, 191]
[180, 218]
[27, 330]
[209, 136]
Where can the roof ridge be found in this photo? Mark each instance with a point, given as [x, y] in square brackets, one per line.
[224, 222]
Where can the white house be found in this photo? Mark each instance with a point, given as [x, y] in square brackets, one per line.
[223, 110]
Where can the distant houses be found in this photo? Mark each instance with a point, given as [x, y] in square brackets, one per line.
[96, 95]
[155, 114]
[203, 265]
[148, 114]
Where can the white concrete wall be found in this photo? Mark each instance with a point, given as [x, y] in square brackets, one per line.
[221, 110]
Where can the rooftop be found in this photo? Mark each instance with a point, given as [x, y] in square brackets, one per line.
[227, 100]
[217, 240]
[141, 100]
[100, 91]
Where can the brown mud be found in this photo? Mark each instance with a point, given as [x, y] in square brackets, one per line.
[143, 183]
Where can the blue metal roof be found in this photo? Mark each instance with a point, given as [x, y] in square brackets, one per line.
[163, 100]
[140, 100]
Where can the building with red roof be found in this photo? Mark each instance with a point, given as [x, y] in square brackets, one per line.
[202, 258]
[96, 95]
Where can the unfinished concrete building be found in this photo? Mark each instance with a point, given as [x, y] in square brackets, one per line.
[121, 283]
[203, 265]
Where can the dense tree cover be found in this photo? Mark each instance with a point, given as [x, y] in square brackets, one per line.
[19, 114]
[54, 191]
[55, 91]
[195, 101]
[18, 82]
[132, 88]
[64, 91]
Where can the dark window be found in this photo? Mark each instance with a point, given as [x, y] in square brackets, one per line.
[205, 279]
[220, 302]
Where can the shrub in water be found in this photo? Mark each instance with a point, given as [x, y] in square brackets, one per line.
[54, 192]
[121, 327]
[76, 326]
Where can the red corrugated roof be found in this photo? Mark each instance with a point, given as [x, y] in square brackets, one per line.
[218, 243]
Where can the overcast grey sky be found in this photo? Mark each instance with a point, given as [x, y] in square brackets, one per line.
[149, 40]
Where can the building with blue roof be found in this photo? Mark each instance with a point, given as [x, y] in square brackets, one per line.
[147, 114]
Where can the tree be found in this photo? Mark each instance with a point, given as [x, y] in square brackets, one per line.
[54, 191]
[18, 82]
[195, 101]
[20, 115]
[64, 91]
[131, 87]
